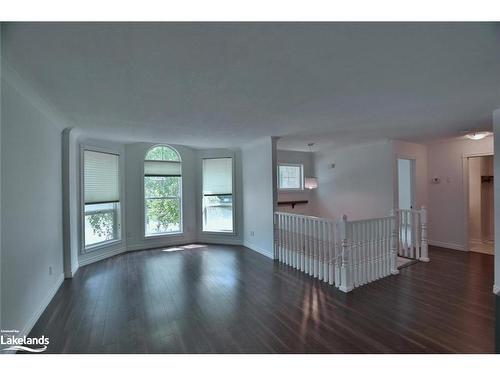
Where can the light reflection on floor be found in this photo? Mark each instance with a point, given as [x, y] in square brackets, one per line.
[185, 247]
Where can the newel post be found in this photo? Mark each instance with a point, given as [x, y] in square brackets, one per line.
[424, 250]
[394, 243]
[345, 268]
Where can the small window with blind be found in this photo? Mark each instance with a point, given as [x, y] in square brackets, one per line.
[101, 197]
[290, 177]
[162, 192]
[218, 195]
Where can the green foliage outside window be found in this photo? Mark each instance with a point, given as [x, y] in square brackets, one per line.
[163, 208]
[164, 153]
[102, 224]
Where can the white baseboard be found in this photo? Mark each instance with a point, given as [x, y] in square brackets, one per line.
[89, 258]
[74, 269]
[448, 245]
[258, 249]
[43, 305]
[220, 241]
[496, 290]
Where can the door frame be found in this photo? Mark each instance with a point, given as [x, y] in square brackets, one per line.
[465, 188]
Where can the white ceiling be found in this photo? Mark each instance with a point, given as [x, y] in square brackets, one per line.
[221, 85]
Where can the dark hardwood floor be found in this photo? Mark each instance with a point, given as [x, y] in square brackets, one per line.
[228, 299]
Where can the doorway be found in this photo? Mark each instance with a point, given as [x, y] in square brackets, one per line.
[406, 178]
[480, 204]
[406, 218]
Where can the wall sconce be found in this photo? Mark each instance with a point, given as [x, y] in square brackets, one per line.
[311, 183]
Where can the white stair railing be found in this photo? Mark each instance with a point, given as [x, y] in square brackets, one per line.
[370, 248]
[346, 254]
[412, 234]
[308, 244]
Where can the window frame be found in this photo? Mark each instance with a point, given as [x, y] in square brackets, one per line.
[301, 166]
[179, 233]
[118, 215]
[211, 232]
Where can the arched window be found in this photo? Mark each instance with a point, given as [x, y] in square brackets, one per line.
[162, 191]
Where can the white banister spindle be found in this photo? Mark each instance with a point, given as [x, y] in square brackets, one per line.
[381, 249]
[326, 272]
[320, 250]
[331, 257]
[321, 253]
[310, 246]
[301, 244]
[290, 234]
[299, 241]
[345, 271]
[363, 250]
[278, 240]
[424, 251]
[414, 230]
[315, 248]
[338, 255]
[290, 240]
[370, 252]
[295, 241]
[387, 253]
[353, 253]
[394, 254]
[376, 247]
[306, 245]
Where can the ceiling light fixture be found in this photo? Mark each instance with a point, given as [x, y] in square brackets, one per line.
[476, 136]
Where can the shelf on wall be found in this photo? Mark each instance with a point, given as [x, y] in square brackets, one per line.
[292, 203]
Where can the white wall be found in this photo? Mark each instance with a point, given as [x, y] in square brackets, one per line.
[259, 194]
[1, 120]
[447, 200]
[360, 185]
[496, 166]
[306, 159]
[31, 207]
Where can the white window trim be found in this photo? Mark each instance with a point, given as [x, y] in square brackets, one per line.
[101, 245]
[179, 233]
[234, 232]
[301, 177]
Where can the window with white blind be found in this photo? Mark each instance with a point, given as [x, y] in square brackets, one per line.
[101, 194]
[162, 191]
[290, 177]
[217, 198]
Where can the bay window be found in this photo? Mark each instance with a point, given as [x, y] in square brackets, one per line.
[217, 198]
